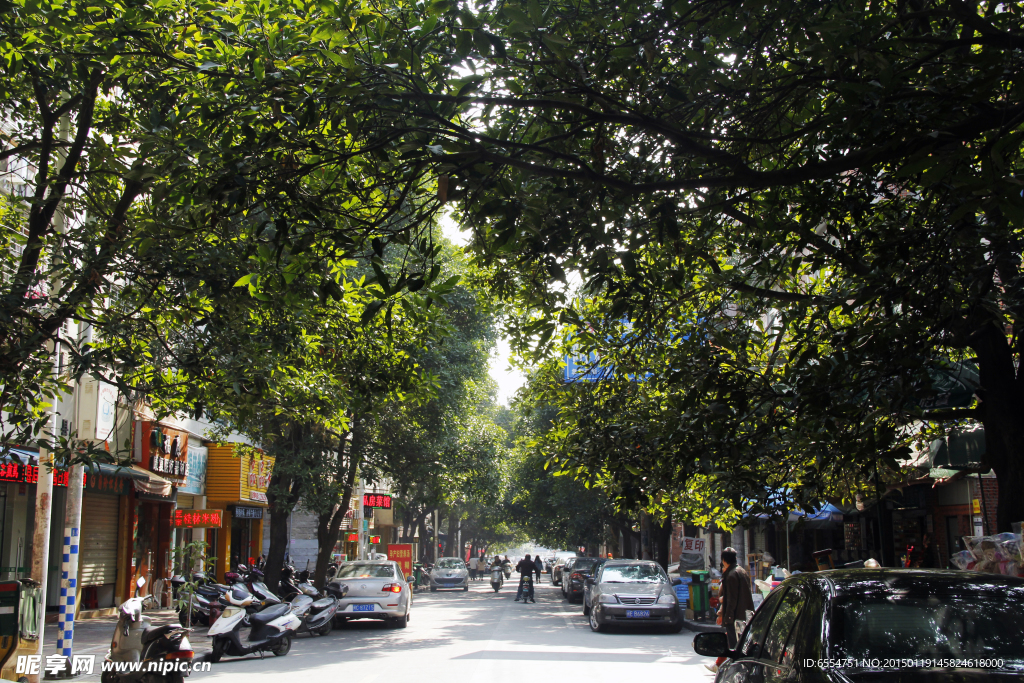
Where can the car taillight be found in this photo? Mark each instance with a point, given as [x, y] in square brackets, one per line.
[576, 576]
[392, 588]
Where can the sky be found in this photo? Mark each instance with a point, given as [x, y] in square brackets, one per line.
[509, 379]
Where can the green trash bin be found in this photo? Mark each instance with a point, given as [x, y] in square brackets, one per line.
[700, 593]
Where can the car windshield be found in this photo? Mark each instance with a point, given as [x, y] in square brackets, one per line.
[358, 570]
[450, 563]
[968, 625]
[584, 564]
[633, 573]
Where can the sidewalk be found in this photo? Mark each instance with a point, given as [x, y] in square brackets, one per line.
[92, 636]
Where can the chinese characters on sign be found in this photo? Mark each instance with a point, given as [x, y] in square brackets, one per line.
[28, 474]
[197, 519]
[256, 471]
[244, 512]
[376, 500]
[692, 546]
[402, 554]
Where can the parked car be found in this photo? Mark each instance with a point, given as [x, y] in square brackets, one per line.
[575, 580]
[376, 590]
[633, 592]
[549, 564]
[877, 625]
[560, 559]
[563, 573]
[589, 574]
[449, 572]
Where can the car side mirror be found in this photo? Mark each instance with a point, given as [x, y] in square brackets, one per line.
[590, 580]
[714, 644]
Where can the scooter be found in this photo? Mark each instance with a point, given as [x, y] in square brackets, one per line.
[527, 583]
[164, 651]
[497, 578]
[254, 580]
[317, 615]
[272, 628]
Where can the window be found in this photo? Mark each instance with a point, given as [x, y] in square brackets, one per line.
[975, 622]
[753, 639]
[450, 563]
[633, 573]
[782, 625]
[357, 570]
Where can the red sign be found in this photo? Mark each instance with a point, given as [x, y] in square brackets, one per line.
[352, 537]
[402, 554]
[376, 500]
[197, 519]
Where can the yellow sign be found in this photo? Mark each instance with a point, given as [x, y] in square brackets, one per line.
[256, 471]
[977, 506]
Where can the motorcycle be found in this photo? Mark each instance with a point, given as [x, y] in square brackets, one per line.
[202, 598]
[164, 651]
[507, 568]
[527, 585]
[497, 578]
[271, 631]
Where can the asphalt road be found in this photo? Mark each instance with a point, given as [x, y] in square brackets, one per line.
[478, 637]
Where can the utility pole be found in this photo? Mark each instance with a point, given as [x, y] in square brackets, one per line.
[44, 483]
[69, 563]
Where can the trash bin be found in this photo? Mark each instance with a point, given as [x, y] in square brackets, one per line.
[700, 596]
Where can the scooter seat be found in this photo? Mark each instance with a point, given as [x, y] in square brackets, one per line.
[269, 614]
[322, 603]
[154, 632]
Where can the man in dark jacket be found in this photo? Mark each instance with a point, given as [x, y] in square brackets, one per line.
[525, 568]
[734, 596]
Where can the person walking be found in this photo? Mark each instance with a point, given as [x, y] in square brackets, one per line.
[539, 564]
[526, 567]
[474, 564]
[734, 599]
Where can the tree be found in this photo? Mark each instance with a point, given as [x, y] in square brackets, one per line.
[848, 171]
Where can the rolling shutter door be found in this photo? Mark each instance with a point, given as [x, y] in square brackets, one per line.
[98, 551]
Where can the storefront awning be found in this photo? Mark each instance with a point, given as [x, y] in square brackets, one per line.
[153, 484]
[959, 450]
[124, 471]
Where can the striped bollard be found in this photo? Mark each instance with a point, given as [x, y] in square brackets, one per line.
[69, 565]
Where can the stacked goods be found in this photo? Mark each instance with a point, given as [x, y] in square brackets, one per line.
[995, 554]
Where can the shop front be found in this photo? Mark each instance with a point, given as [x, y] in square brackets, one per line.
[107, 489]
[236, 483]
[191, 497]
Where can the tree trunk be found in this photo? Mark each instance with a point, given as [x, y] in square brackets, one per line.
[424, 538]
[283, 493]
[1002, 408]
[453, 522]
[329, 523]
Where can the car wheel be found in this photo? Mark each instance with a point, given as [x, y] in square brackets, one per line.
[404, 621]
[433, 589]
[465, 588]
[283, 647]
[586, 609]
[676, 628]
[595, 623]
[339, 622]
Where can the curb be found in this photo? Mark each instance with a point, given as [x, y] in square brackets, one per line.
[701, 627]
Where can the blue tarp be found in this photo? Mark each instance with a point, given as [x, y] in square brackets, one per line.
[827, 515]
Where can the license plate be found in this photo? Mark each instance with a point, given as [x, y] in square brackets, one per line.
[638, 614]
[362, 608]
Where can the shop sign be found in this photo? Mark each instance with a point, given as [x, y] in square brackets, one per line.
[106, 483]
[352, 537]
[197, 519]
[195, 472]
[106, 405]
[172, 468]
[376, 500]
[256, 470]
[692, 546]
[29, 474]
[402, 554]
[242, 512]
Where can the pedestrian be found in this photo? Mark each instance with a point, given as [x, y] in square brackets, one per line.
[473, 566]
[526, 567]
[539, 564]
[734, 599]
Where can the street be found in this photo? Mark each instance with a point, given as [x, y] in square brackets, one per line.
[478, 636]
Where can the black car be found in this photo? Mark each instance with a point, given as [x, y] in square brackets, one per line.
[575, 579]
[874, 625]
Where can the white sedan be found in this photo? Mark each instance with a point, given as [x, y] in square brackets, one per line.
[377, 589]
[449, 572]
